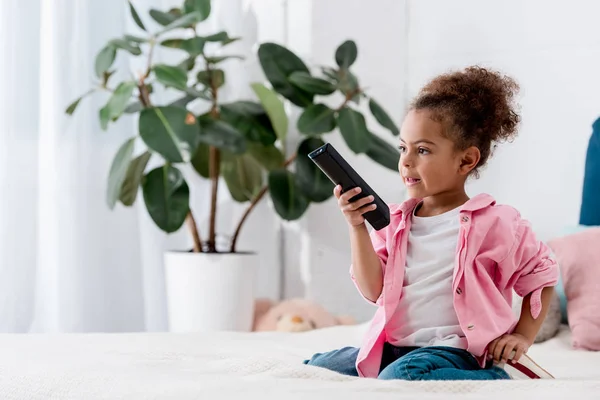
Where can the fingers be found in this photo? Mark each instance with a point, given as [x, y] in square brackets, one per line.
[337, 191]
[500, 348]
[519, 353]
[508, 349]
[492, 348]
[345, 197]
[355, 205]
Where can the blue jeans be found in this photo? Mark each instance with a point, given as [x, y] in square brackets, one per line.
[413, 364]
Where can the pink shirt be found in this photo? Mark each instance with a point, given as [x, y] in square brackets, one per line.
[497, 252]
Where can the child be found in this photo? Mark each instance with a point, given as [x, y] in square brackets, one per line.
[443, 271]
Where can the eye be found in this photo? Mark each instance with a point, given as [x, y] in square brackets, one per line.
[423, 150]
[402, 148]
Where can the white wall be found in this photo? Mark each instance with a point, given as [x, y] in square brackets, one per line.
[551, 47]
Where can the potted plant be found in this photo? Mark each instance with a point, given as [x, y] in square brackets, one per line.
[242, 143]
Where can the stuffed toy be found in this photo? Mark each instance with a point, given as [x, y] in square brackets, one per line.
[294, 315]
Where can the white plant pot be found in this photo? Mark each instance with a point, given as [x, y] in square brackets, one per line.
[210, 292]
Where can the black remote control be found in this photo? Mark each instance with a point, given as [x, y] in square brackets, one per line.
[341, 173]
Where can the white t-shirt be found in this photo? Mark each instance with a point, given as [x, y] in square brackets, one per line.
[427, 298]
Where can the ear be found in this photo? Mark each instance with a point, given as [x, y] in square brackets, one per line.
[345, 320]
[469, 160]
[261, 307]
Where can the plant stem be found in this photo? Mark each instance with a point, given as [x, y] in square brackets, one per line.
[145, 100]
[214, 166]
[191, 223]
[253, 204]
[214, 162]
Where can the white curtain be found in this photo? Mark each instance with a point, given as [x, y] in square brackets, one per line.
[68, 263]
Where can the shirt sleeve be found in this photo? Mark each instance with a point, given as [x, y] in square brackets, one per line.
[378, 239]
[533, 266]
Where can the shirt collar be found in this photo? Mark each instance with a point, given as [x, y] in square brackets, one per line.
[475, 203]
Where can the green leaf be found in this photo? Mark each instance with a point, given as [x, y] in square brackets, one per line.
[243, 176]
[163, 18]
[133, 108]
[222, 135]
[382, 117]
[120, 98]
[183, 101]
[278, 63]
[104, 115]
[200, 6]
[331, 74]
[216, 76]
[187, 20]
[316, 119]
[136, 16]
[118, 171]
[383, 153]
[354, 130]
[167, 197]
[171, 76]
[104, 60]
[194, 46]
[216, 60]
[198, 94]
[172, 43]
[133, 178]
[311, 180]
[348, 84]
[173, 132]
[345, 54]
[289, 201]
[125, 45]
[270, 157]
[310, 84]
[135, 39]
[73, 106]
[201, 159]
[251, 119]
[188, 64]
[222, 37]
[274, 107]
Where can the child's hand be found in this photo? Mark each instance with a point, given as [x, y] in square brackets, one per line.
[501, 348]
[353, 211]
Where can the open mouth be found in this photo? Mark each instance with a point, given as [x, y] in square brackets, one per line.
[411, 181]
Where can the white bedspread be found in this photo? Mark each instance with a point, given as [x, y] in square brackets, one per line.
[235, 365]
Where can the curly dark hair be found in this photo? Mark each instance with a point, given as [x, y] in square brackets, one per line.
[475, 107]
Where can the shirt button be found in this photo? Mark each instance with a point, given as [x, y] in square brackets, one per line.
[471, 327]
[459, 290]
[465, 218]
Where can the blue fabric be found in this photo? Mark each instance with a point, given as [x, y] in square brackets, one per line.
[590, 202]
[413, 364]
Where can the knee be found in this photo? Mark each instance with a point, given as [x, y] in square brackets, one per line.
[409, 368]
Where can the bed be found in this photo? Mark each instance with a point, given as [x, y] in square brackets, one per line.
[264, 365]
[249, 365]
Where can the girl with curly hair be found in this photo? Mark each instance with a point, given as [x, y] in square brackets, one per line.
[443, 272]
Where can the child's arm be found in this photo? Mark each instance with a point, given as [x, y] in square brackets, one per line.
[366, 265]
[525, 331]
[532, 271]
[527, 325]
[368, 253]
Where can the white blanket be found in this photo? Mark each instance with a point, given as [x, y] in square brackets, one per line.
[236, 365]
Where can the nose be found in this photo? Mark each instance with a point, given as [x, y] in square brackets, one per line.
[406, 160]
[297, 320]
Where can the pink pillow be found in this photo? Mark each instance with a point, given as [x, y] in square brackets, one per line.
[578, 255]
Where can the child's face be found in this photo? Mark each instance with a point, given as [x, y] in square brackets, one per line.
[429, 162]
